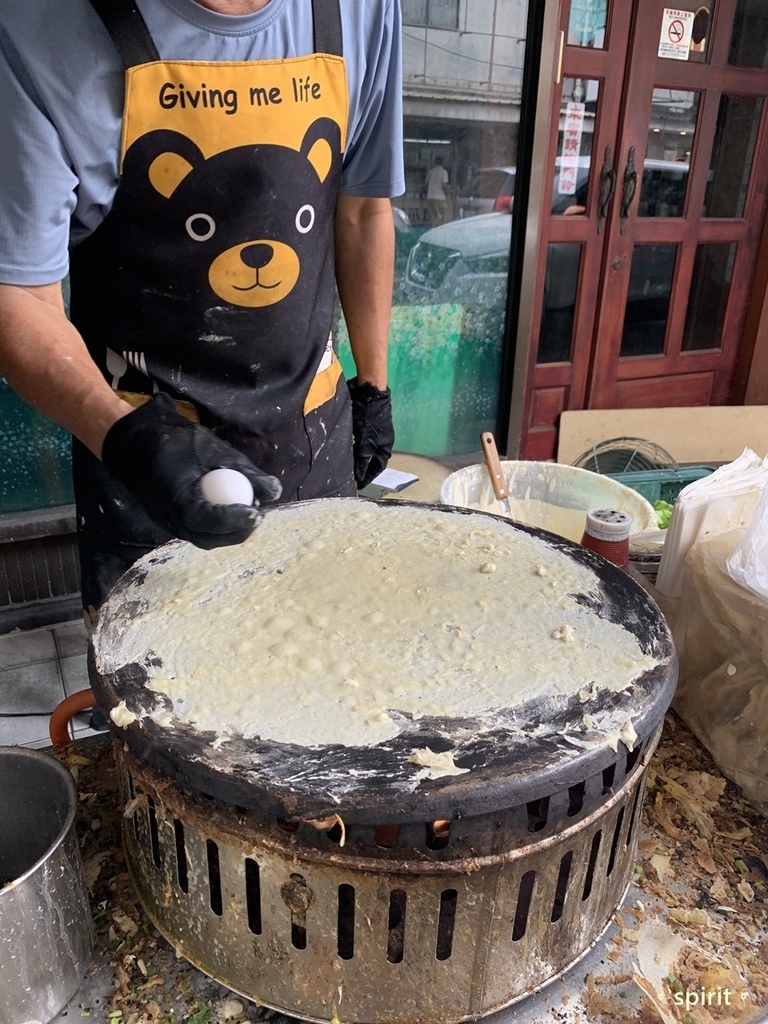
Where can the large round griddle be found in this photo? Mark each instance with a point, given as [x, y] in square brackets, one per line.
[533, 751]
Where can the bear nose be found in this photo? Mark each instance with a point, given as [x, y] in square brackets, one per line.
[257, 255]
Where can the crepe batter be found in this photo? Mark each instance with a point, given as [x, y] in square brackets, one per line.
[339, 622]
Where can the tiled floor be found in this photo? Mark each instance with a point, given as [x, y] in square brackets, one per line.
[38, 669]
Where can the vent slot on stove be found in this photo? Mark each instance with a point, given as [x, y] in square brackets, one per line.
[593, 854]
[297, 896]
[562, 886]
[335, 834]
[524, 896]
[396, 926]
[538, 813]
[181, 856]
[346, 922]
[132, 795]
[576, 798]
[438, 834]
[633, 756]
[253, 895]
[445, 924]
[214, 877]
[633, 818]
[153, 836]
[615, 843]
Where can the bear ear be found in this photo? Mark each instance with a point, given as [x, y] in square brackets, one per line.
[321, 144]
[163, 159]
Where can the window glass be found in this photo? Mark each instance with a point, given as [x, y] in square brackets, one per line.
[738, 124]
[710, 290]
[414, 12]
[668, 152]
[647, 309]
[586, 23]
[454, 224]
[443, 14]
[700, 30]
[749, 39]
[431, 13]
[574, 147]
[35, 468]
[563, 259]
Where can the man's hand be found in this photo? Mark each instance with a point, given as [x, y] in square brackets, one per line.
[161, 456]
[372, 430]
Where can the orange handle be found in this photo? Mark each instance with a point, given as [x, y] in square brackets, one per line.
[58, 727]
[493, 465]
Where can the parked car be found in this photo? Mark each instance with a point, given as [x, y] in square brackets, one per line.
[488, 190]
[467, 260]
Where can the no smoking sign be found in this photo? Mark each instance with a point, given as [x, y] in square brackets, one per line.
[675, 37]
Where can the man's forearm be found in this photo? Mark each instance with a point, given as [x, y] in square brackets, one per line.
[365, 257]
[45, 360]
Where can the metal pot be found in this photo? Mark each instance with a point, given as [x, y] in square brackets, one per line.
[46, 933]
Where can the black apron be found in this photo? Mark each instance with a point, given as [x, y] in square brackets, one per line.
[212, 277]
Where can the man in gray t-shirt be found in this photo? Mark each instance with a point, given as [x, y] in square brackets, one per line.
[195, 165]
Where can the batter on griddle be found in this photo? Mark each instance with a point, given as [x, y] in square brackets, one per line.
[341, 621]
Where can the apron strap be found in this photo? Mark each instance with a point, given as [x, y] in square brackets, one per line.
[327, 20]
[128, 30]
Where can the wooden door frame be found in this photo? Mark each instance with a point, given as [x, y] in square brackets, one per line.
[553, 41]
[750, 381]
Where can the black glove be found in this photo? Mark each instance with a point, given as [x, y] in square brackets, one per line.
[372, 430]
[160, 456]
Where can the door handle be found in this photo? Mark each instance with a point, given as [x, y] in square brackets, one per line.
[629, 188]
[607, 188]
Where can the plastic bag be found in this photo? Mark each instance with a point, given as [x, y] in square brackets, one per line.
[748, 564]
[725, 500]
[720, 630]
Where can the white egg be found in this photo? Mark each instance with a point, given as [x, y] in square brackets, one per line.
[226, 487]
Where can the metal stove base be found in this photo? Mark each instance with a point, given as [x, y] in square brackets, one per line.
[330, 935]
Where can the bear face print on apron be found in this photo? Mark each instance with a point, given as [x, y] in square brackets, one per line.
[212, 277]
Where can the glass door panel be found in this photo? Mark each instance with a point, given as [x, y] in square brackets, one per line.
[562, 278]
[586, 23]
[708, 297]
[733, 153]
[574, 150]
[749, 40]
[702, 21]
[647, 306]
[671, 134]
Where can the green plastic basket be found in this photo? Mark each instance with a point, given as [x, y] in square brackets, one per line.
[662, 484]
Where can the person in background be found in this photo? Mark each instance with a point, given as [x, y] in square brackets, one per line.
[207, 172]
[437, 199]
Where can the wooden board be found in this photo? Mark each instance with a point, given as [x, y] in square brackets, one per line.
[690, 435]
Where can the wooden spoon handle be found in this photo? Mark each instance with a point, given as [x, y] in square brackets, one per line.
[493, 463]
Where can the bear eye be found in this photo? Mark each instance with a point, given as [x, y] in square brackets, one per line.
[305, 219]
[200, 226]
